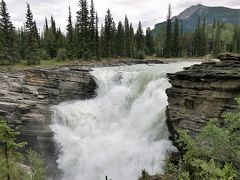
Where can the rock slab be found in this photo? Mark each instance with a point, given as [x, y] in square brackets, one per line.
[202, 92]
[26, 98]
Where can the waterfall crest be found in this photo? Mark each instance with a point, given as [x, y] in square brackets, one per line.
[121, 131]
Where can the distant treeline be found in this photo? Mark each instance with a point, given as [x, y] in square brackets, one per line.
[207, 39]
[84, 38]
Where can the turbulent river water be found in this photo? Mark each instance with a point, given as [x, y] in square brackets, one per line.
[122, 130]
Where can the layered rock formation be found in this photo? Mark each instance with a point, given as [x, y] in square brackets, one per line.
[202, 92]
[26, 98]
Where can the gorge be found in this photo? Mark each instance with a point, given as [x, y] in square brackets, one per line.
[115, 130]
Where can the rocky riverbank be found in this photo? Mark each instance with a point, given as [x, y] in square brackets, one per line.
[203, 91]
[26, 98]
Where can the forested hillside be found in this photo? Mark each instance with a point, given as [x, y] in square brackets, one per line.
[88, 39]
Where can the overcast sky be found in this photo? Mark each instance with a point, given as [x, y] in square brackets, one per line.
[149, 12]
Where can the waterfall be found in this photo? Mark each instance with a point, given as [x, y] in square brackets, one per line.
[121, 131]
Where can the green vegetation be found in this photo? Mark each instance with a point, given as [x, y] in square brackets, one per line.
[83, 40]
[11, 166]
[212, 154]
[212, 39]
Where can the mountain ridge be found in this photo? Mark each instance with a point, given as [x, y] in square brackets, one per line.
[189, 17]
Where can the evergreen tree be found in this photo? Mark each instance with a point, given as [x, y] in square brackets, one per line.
[149, 42]
[197, 39]
[200, 39]
[92, 28]
[204, 46]
[120, 41]
[108, 35]
[102, 42]
[21, 42]
[60, 39]
[53, 39]
[140, 38]
[97, 40]
[217, 42]
[32, 51]
[46, 39]
[168, 41]
[83, 29]
[70, 36]
[236, 39]
[8, 147]
[127, 37]
[132, 42]
[8, 52]
[176, 45]
[113, 42]
[36, 34]
[46, 25]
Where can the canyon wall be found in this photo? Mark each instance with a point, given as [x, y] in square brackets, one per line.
[202, 92]
[26, 99]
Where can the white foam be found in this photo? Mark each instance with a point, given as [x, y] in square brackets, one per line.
[120, 132]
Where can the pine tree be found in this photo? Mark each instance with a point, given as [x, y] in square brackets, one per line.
[149, 42]
[120, 41]
[140, 38]
[113, 41]
[132, 42]
[60, 40]
[217, 42]
[168, 41]
[176, 45]
[102, 42]
[8, 148]
[8, 52]
[204, 46]
[36, 34]
[46, 42]
[92, 28]
[53, 39]
[236, 39]
[21, 42]
[197, 39]
[70, 36]
[32, 51]
[83, 29]
[127, 37]
[97, 40]
[108, 35]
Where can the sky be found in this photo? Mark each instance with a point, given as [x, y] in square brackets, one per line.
[149, 12]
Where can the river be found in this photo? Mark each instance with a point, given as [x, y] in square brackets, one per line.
[122, 130]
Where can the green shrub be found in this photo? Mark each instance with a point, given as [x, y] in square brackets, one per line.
[11, 160]
[140, 55]
[43, 54]
[62, 54]
[212, 154]
[37, 165]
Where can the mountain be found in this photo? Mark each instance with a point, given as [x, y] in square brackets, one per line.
[189, 17]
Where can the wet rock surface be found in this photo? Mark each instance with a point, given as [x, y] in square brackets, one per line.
[26, 98]
[202, 92]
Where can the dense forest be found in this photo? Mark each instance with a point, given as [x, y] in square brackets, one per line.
[85, 39]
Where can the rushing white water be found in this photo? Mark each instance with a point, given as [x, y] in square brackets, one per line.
[120, 132]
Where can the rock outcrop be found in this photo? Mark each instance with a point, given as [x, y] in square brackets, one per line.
[202, 92]
[26, 98]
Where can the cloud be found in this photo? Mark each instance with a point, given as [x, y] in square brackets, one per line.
[149, 12]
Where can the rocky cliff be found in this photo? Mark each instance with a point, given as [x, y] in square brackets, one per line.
[202, 92]
[26, 98]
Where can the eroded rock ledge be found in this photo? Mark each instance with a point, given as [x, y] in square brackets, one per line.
[26, 98]
[202, 92]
